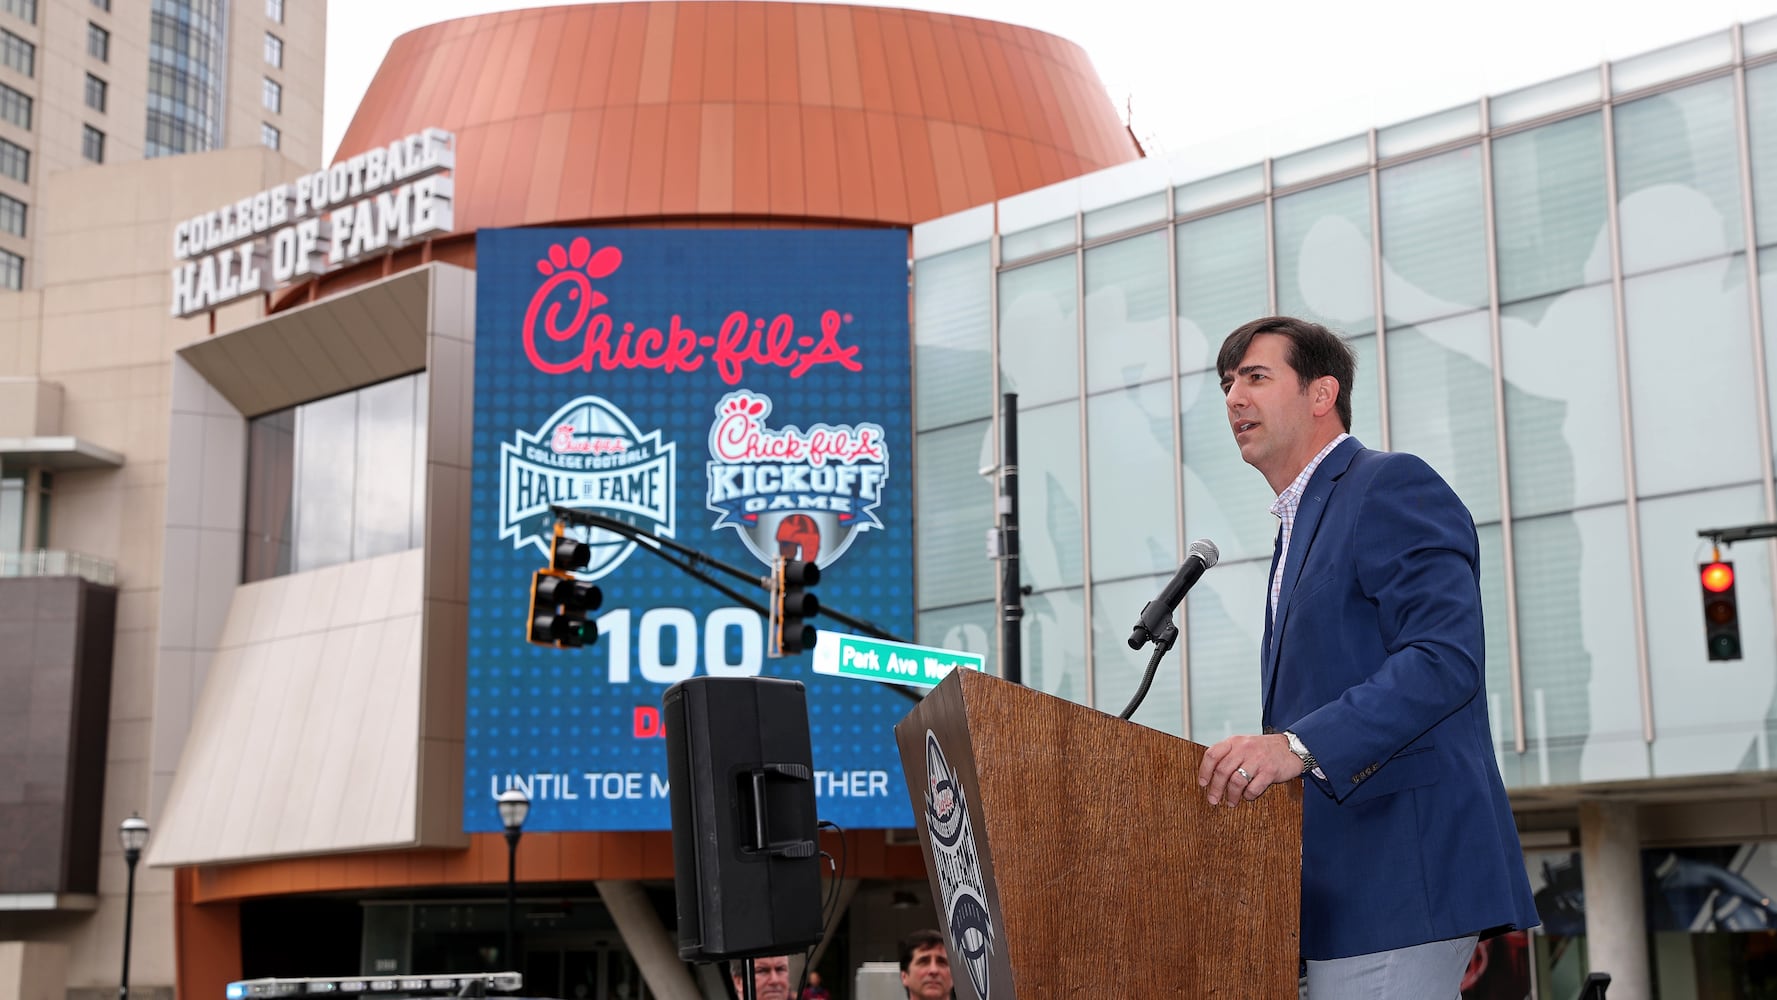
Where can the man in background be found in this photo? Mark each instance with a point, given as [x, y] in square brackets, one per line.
[925, 966]
[771, 977]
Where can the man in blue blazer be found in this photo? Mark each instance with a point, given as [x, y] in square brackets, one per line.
[1372, 674]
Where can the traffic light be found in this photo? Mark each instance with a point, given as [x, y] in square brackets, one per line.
[791, 603]
[1721, 610]
[561, 606]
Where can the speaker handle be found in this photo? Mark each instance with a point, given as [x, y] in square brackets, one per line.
[763, 774]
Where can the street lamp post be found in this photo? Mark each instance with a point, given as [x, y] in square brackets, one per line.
[514, 805]
[133, 834]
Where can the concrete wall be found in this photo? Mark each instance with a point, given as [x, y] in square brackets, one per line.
[99, 328]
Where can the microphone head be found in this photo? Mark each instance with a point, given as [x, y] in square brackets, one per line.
[1206, 550]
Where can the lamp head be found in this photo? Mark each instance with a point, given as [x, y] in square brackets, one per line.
[514, 806]
[132, 833]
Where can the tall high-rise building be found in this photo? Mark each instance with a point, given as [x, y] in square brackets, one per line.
[99, 99]
[86, 82]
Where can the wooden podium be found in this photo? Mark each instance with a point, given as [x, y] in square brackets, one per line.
[1072, 854]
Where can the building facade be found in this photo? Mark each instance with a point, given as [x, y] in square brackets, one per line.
[281, 489]
[95, 97]
[1560, 297]
[86, 82]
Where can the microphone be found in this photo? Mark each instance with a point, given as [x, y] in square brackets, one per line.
[1158, 612]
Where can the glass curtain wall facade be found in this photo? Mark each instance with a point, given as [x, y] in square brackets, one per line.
[1558, 298]
[187, 60]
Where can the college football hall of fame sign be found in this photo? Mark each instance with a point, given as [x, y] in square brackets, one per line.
[746, 393]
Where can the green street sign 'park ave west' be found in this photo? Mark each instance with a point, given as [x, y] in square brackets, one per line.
[890, 662]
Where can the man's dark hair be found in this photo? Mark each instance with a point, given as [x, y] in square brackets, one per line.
[1315, 351]
[917, 941]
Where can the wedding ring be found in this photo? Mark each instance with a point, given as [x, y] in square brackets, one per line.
[1242, 772]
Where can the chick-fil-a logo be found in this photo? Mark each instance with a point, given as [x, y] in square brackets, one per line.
[793, 493]
[599, 343]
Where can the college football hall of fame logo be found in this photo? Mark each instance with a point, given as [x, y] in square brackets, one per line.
[591, 456]
[802, 495]
[958, 868]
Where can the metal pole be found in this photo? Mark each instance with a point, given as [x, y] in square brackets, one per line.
[511, 896]
[1011, 591]
[129, 910]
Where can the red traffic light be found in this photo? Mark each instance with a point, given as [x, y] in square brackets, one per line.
[1717, 577]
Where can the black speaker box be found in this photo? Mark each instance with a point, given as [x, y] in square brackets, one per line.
[746, 864]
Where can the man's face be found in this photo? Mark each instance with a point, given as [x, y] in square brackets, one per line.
[771, 978]
[1272, 416]
[928, 974]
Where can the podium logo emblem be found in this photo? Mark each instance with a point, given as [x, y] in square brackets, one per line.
[958, 867]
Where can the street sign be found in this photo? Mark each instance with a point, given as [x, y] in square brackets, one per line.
[889, 662]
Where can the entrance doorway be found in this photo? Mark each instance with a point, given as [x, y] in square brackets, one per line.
[573, 968]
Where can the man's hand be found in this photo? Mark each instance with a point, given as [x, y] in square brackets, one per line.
[1242, 767]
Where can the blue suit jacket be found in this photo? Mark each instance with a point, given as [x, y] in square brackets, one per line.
[1374, 657]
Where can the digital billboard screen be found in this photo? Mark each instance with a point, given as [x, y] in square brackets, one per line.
[746, 393]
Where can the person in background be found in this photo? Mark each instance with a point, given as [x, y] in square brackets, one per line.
[771, 977]
[925, 966]
[815, 990]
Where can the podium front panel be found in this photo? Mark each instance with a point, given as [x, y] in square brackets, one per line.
[1070, 851]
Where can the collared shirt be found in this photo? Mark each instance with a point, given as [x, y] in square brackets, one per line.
[1285, 508]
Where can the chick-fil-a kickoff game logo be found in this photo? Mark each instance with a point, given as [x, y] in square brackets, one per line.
[567, 309]
[789, 492]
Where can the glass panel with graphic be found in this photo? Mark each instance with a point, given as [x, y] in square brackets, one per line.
[1678, 176]
[1126, 305]
[1582, 695]
[1055, 644]
[1710, 716]
[1050, 512]
[1434, 240]
[1691, 387]
[1324, 271]
[1551, 208]
[1564, 425]
[1117, 669]
[1224, 625]
[1039, 335]
[1222, 281]
[952, 336]
[955, 507]
[1129, 461]
[1440, 399]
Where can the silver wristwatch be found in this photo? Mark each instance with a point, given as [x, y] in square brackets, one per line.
[1300, 750]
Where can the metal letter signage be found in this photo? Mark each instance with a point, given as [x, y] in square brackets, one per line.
[376, 200]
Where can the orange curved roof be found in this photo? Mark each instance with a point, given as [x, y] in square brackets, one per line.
[798, 112]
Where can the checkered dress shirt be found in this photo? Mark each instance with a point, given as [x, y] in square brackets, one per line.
[1285, 508]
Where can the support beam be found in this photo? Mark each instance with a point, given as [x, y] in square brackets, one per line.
[654, 948]
[1616, 920]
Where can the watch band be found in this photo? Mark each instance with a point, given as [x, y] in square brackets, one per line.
[1298, 748]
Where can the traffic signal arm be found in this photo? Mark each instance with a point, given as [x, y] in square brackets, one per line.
[693, 563]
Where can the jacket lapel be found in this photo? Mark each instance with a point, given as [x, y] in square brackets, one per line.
[1308, 518]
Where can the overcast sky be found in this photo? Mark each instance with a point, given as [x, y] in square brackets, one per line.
[1265, 78]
